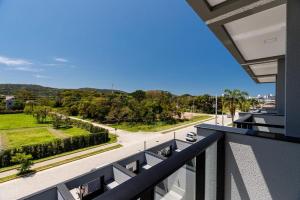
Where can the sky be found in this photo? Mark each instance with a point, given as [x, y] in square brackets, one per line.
[132, 44]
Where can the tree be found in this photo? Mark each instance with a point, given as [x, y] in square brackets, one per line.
[24, 160]
[18, 105]
[139, 95]
[83, 109]
[233, 100]
[24, 95]
[41, 114]
[245, 105]
[29, 107]
[57, 121]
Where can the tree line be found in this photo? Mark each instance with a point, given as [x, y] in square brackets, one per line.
[138, 106]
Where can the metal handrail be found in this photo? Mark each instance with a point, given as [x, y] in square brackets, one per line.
[147, 180]
[247, 122]
[260, 124]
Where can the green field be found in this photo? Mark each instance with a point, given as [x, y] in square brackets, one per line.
[17, 130]
[14, 121]
[74, 131]
[28, 136]
[158, 126]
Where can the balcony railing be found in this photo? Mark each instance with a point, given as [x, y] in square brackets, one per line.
[185, 173]
[177, 170]
[153, 183]
[264, 123]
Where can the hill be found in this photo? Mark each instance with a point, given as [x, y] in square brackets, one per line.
[41, 91]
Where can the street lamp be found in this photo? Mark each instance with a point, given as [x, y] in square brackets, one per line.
[216, 109]
[222, 109]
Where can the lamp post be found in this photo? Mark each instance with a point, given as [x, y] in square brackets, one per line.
[216, 106]
[222, 109]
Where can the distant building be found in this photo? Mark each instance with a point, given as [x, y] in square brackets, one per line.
[9, 101]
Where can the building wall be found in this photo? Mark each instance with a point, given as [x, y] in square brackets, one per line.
[106, 171]
[179, 185]
[258, 168]
[152, 160]
[48, 194]
[119, 176]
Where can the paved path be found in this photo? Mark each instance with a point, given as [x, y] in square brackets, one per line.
[132, 143]
[55, 160]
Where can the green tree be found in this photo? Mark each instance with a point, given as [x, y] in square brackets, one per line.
[83, 109]
[139, 95]
[24, 95]
[18, 105]
[29, 107]
[41, 114]
[233, 100]
[24, 160]
[57, 121]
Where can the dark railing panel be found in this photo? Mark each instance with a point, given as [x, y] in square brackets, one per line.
[200, 176]
[220, 169]
[135, 187]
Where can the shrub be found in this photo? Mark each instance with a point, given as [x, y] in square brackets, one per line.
[58, 146]
[24, 160]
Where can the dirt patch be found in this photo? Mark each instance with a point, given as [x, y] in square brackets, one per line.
[57, 133]
[189, 115]
[2, 141]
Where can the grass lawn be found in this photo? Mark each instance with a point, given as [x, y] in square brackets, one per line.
[74, 131]
[13, 121]
[158, 126]
[29, 136]
[112, 139]
[17, 130]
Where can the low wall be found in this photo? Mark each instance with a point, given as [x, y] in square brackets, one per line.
[258, 168]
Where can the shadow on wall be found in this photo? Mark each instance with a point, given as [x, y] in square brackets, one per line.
[258, 168]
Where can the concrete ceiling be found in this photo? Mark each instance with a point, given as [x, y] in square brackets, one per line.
[254, 31]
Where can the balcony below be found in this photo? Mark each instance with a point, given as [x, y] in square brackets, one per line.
[225, 163]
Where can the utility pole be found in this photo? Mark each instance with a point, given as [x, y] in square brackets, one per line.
[216, 109]
[222, 109]
[112, 88]
[193, 105]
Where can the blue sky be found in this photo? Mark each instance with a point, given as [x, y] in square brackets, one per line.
[134, 44]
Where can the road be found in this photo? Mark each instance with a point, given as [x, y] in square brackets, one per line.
[132, 143]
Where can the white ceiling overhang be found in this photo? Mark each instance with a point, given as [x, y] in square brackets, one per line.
[213, 3]
[270, 79]
[253, 31]
[261, 35]
[265, 72]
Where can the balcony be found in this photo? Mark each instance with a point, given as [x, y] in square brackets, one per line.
[226, 163]
[267, 124]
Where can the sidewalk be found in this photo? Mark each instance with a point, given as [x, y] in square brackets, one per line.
[55, 160]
